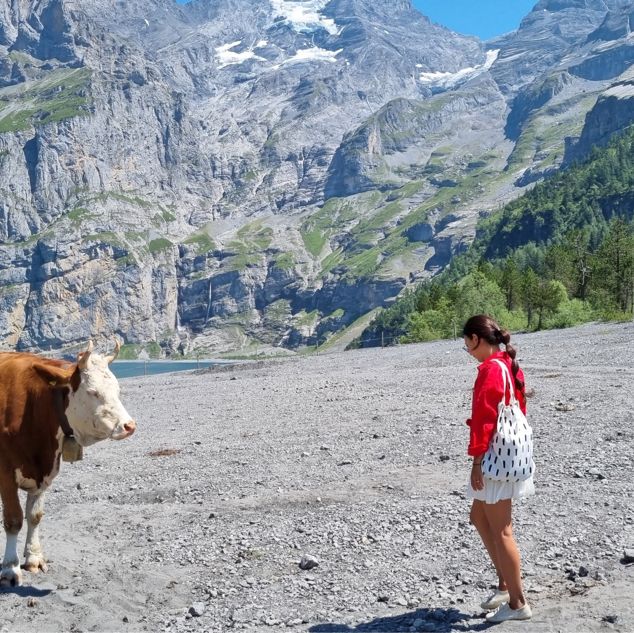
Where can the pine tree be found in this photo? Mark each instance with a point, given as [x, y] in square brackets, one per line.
[549, 296]
[511, 282]
[530, 294]
[614, 266]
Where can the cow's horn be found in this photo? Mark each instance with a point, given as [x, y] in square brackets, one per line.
[82, 360]
[117, 349]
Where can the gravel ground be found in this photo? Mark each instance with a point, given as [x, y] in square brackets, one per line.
[357, 460]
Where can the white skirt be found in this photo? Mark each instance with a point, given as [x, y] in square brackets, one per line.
[495, 491]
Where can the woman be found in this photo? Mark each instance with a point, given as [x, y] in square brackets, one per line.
[491, 509]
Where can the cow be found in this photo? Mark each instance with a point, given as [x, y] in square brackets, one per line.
[43, 403]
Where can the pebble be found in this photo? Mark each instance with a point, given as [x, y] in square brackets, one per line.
[390, 540]
[308, 562]
[628, 557]
[197, 609]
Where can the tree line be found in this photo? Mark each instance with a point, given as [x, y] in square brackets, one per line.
[561, 255]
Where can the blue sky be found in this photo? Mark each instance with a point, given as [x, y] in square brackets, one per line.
[485, 18]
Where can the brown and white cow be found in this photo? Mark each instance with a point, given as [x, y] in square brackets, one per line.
[41, 401]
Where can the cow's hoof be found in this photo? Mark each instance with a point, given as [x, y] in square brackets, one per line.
[35, 564]
[10, 577]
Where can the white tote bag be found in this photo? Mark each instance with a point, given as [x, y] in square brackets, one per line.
[510, 453]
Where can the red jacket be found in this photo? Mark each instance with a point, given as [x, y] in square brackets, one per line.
[487, 394]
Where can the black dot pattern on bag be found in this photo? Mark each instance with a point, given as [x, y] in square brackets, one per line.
[512, 430]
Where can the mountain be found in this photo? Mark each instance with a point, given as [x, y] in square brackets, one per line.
[559, 255]
[241, 172]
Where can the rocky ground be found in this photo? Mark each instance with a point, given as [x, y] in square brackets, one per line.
[357, 459]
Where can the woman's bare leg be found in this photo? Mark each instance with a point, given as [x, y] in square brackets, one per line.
[479, 520]
[507, 554]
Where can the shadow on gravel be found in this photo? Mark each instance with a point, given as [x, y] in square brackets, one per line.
[26, 591]
[437, 620]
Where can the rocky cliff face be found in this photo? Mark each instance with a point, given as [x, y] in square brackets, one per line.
[215, 175]
[613, 111]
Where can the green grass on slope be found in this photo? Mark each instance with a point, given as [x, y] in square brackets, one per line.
[543, 137]
[318, 229]
[61, 94]
[249, 245]
[381, 234]
[201, 242]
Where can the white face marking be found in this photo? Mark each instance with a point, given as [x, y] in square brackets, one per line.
[95, 411]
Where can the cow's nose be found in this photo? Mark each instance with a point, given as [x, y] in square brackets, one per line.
[130, 427]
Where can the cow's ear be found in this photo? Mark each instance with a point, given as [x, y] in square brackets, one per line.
[54, 376]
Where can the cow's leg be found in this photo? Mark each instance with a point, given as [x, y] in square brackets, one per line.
[10, 574]
[32, 548]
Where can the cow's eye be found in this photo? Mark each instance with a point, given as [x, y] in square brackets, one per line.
[93, 392]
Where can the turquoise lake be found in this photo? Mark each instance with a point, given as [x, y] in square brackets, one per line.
[133, 368]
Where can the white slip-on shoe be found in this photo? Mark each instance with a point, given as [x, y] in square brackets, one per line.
[496, 599]
[505, 613]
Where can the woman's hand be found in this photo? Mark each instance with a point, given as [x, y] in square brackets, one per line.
[477, 480]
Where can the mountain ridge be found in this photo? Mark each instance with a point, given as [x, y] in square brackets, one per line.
[218, 180]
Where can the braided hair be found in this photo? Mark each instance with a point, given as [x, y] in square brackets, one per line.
[486, 328]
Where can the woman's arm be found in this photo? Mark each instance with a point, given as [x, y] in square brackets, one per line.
[477, 481]
[487, 394]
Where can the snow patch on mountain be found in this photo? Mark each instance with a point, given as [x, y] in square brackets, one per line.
[304, 16]
[227, 57]
[625, 91]
[314, 54]
[449, 79]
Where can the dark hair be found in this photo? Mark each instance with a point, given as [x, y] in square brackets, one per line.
[486, 328]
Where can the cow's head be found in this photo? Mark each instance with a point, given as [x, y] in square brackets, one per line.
[94, 410]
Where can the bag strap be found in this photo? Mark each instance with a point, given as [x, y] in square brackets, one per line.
[505, 374]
